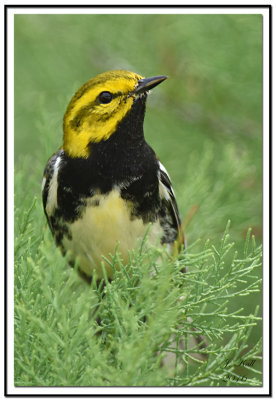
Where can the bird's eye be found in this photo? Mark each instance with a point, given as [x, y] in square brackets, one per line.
[105, 97]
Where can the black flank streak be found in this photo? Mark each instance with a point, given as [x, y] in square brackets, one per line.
[124, 160]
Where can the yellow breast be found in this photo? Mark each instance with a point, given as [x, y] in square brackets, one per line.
[105, 223]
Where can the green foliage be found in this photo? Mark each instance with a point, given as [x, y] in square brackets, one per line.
[205, 123]
[68, 333]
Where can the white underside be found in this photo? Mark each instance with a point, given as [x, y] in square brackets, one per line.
[101, 228]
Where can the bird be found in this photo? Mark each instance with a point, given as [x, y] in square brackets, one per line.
[105, 185]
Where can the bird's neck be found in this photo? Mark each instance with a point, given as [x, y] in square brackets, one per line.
[125, 147]
[125, 155]
[129, 133]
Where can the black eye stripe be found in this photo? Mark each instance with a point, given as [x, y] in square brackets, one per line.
[77, 121]
[106, 97]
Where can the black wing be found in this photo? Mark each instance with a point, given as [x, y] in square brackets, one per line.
[47, 184]
[167, 195]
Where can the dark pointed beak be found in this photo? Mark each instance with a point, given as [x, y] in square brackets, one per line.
[146, 84]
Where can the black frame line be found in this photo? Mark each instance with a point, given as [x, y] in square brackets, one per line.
[140, 6]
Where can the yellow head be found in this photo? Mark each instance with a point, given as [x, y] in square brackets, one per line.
[98, 106]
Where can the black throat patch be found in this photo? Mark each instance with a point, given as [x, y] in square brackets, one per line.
[125, 161]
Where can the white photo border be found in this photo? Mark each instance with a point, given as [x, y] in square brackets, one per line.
[10, 11]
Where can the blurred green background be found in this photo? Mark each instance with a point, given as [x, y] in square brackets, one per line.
[204, 122]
